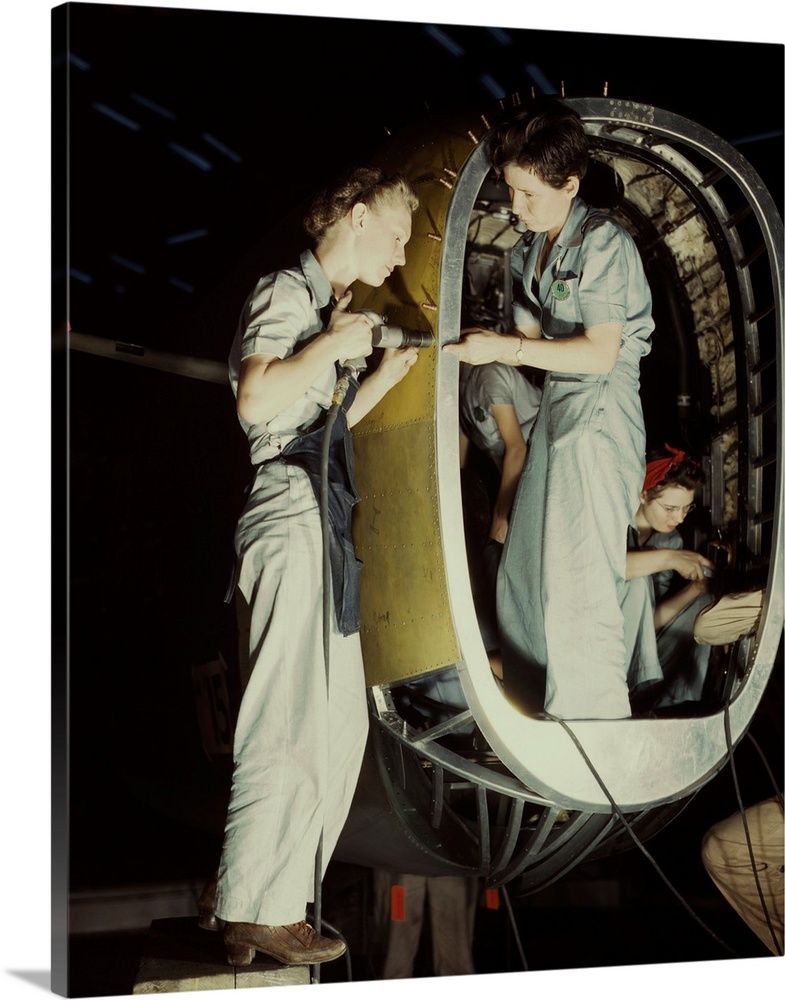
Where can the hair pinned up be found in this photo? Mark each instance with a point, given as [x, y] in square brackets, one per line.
[364, 184]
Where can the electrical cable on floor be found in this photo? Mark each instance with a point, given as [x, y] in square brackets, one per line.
[513, 924]
[764, 761]
[347, 954]
[636, 840]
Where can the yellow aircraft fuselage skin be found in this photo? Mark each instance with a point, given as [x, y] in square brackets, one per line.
[407, 622]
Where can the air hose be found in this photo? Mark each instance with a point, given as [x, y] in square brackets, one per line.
[347, 374]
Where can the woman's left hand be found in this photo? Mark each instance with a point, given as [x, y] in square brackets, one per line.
[394, 365]
[396, 362]
[697, 587]
[477, 346]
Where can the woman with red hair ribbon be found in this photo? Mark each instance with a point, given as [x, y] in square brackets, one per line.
[666, 667]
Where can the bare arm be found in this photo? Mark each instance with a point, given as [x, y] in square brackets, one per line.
[463, 445]
[667, 610]
[394, 366]
[686, 563]
[512, 466]
[646, 562]
[594, 352]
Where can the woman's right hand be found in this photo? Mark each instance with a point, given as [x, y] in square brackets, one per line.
[691, 565]
[350, 332]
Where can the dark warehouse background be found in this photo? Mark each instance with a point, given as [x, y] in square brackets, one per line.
[196, 136]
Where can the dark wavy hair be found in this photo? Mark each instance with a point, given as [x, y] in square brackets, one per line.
[688, 473]
[363, 184]
[548, 138]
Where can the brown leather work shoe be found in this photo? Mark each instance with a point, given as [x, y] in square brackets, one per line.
[291, 944]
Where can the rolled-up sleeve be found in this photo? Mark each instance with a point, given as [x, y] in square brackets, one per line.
[498, 387]
[605, 275]
[276, 314]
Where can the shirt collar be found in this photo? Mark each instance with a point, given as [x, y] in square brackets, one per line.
[317, 281]
[570, 235]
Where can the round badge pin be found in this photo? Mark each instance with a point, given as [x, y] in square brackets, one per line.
[560, 289]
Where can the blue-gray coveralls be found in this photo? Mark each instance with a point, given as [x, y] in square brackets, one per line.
[297, 747]
[563, 565]
[669, 657]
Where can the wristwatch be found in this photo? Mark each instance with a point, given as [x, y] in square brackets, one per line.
[519, 352]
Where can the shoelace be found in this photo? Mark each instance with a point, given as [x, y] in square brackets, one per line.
[303, 930]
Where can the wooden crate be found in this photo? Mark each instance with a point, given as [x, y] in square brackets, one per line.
[179, 957]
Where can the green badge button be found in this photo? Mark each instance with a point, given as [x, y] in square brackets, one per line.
[560, 289]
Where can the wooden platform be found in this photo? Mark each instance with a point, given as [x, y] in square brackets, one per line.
[179, 957]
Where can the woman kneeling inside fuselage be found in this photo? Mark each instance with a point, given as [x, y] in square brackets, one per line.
[666, 667]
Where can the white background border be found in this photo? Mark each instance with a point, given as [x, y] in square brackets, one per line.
[25, 123]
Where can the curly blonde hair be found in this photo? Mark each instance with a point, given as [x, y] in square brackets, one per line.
[364, 184]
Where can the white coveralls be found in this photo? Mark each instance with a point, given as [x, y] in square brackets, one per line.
[297, 747]
[484, 386]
